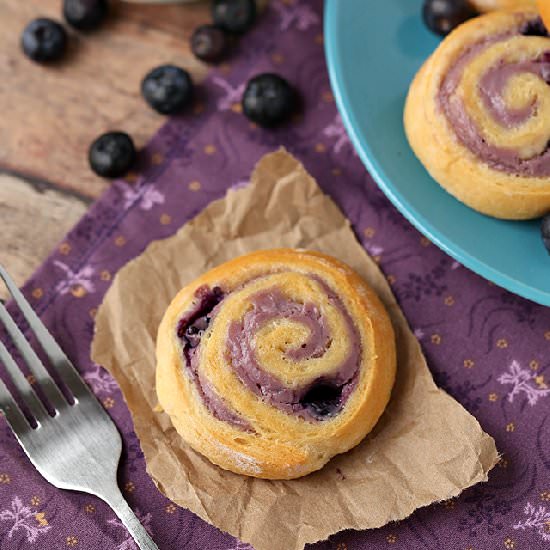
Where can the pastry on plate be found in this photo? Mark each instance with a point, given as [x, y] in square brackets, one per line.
[492, 5]
[478, 114]
[274, 362]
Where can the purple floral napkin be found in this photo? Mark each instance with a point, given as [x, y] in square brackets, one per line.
[485, 346]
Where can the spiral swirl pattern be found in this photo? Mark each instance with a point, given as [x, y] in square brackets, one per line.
[497, 98]
[282, 359]
[484, 131]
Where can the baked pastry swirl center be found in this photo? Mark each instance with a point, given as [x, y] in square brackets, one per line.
[274, 362]
[272, 340]
[496, 96]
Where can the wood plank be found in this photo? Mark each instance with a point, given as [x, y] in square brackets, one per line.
[34, 219]
[50, 114]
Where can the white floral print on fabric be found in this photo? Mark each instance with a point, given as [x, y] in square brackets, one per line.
[128, 543]
[299, 15]
[100, 380]
[240, 184]
[524, 381]
[241, 546]
[81, 278]
[336, 130]
[231, 95]
[24, 519]
[538, 518]
[374, 249]
[147, 197]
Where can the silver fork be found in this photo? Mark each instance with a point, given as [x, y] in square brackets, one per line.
[79, 447]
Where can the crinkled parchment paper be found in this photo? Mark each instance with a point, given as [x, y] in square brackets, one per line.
[426, 447]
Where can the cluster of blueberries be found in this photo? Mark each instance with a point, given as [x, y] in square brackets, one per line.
[268, 99]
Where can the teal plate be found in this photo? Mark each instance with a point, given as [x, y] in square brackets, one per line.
[373, 51]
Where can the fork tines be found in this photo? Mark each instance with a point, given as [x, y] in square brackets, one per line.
[44, 381]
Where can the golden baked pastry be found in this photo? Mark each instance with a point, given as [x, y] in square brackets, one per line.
[492, 5]
[478, 114]
[274, 362]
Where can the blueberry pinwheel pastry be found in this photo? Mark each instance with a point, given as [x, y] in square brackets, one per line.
[478, 115]
[274, 362]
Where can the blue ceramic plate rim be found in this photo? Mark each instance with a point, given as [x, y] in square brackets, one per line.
[362, 147]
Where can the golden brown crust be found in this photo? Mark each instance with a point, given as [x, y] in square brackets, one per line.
[281, 445]
[460, 171]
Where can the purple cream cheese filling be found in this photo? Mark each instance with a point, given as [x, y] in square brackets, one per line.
[191, 329]
[491, 88]
[321, 399]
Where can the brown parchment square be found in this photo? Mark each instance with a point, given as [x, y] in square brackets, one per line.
[426, 447]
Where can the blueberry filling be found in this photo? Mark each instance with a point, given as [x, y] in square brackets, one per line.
[193, 333]
[323, 399]
[192, 328]
[545, 67]
[535, 27]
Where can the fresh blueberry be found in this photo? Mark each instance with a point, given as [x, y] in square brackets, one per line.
[442, 16]
[545, 231]
[84, 15]
[112, 154]
[235, 16]
[167, 89]
[209, 43]
[192, 329]
[44, 40]
[268, 99]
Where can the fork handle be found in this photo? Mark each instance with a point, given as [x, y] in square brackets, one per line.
[120, 507]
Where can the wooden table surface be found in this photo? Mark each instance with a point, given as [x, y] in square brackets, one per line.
[51, 114]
